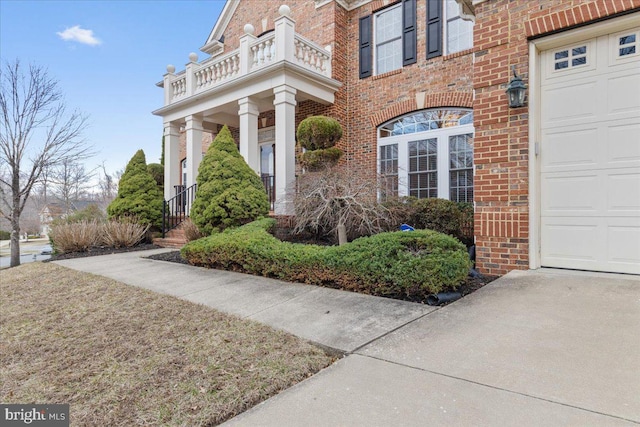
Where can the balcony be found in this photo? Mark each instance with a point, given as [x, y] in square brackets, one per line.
[254, 55]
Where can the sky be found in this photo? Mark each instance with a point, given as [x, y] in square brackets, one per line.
[107, 57]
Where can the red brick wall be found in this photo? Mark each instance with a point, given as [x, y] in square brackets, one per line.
[502, 139]
[446, 81]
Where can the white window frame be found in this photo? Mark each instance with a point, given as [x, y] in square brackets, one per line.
[445, 26]
[443, 171]
[375, 41]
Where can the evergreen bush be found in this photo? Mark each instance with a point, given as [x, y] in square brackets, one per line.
[404, 265]
[138, 194]
[229, 192]
[157, 172]
[318, 132]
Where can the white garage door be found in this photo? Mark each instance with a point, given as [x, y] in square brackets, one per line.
[590, 154]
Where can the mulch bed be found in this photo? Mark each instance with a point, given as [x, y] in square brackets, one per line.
[102, 251]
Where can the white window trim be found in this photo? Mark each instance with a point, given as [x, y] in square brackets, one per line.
[445, 27]
[442, 136]
[375, 42]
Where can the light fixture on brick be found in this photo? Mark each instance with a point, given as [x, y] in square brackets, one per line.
[516, 90]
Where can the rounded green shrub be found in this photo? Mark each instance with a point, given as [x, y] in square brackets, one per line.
[229, 192]
[318, 132]
[317, 159]
[138, 194]
[404, 265]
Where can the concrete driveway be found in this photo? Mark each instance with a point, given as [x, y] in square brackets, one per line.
[535, 348]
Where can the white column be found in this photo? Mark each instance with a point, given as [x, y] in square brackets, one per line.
[171, 159]
[246, 56]
[193, 130]
[285, 106]
[248, 113]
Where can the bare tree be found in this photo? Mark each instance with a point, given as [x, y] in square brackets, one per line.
[36, 133]
[108, 186]
[336, 200]
[71, 182]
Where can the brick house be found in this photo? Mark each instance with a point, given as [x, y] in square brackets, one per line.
[419, 88]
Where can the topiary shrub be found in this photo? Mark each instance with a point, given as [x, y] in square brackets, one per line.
[404, 265]
[318, 135]
[318, 132]
[229, 192]
[138, 194]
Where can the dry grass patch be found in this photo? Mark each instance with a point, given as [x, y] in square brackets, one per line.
[120, 355]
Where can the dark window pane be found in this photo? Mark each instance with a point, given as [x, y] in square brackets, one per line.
[627, 39]
[579, 61]
[563, 54]
[561, 65]
[579, 50]
[627, 50]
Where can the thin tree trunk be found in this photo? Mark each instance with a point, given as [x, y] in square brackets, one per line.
[15, 243]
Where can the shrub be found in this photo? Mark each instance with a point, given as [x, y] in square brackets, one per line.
[75, 237]
[318, 159]
[444, 216]
[229, 192]
[90, 213]
[5, 235]
[122, 234]
[318, 132]
[138, 194]
[156, 170]
[408, 265]
[191, 231]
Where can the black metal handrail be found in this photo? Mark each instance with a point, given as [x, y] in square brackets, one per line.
[176, 209]
[270, 187]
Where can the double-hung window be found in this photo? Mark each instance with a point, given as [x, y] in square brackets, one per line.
[387, 39]
[428, 153]
[448, 29]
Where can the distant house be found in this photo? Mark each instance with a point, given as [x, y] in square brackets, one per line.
[57, 210]
[419, 88]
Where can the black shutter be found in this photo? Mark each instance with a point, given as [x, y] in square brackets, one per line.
[365, 47]
[434, 28]
[409, 42]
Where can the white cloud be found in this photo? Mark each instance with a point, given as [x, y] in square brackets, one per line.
[80, 35]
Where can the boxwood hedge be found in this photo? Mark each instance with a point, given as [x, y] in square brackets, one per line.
[405, 265]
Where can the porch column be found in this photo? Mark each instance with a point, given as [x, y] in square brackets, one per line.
[285, 108]
[248, 113]
[171, 158]
[193, 130]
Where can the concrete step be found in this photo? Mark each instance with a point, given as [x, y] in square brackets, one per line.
[169, 242]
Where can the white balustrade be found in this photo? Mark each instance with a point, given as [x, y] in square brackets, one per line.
[179, 87]
[261, 53]
[312, 56]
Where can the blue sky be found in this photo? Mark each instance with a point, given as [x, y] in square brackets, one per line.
[107, 57]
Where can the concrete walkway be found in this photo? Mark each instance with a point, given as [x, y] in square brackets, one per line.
[543, 348]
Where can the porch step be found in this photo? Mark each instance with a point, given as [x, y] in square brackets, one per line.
[173, 239]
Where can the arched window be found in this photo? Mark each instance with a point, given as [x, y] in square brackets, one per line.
[428, 153]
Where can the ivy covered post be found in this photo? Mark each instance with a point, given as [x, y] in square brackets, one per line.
[138, 194]
[229, 192]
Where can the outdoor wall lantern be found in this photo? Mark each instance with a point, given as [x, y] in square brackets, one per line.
[516, 90]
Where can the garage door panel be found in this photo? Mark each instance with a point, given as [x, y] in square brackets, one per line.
[570, 242]
[570, 194]
[623, 193]
[623, 94]
[623, 248]
[573, 148]
[568, 104]
[623, 144]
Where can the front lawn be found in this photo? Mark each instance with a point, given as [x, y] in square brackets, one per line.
[120, 355]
